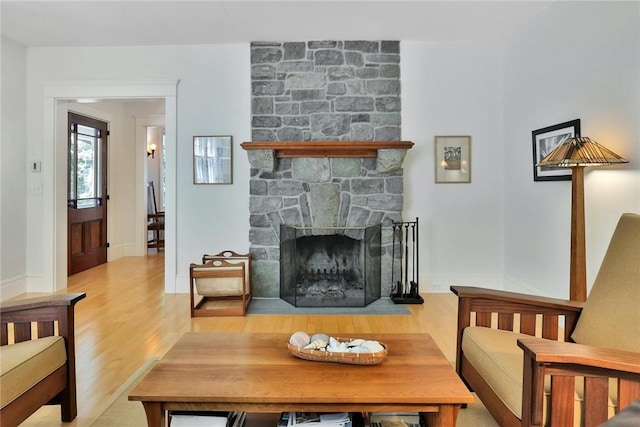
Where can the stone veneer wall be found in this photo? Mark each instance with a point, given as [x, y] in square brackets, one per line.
[315, 91]
[318, 90]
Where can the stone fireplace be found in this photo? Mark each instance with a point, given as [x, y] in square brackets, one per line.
[325, 154]
[311, 193]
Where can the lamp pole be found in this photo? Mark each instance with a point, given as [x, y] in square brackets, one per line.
[576, 153]
[578, 269]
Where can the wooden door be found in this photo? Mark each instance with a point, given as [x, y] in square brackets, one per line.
[87, 193]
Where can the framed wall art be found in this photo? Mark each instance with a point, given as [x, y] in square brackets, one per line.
[212, 159]
[544, 141]
[453, 159]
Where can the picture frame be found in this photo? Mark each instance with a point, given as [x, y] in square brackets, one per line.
[453, 159]
[546, 140]
[213, 159]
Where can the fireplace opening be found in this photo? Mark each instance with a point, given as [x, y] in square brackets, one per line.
[330, 267]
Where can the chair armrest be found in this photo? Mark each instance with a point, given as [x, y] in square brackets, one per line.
[516, 301]
[555, 352]
[11, 306]
[43, 310]
[563, 362]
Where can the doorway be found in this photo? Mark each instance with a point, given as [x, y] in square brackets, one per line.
[87, 193]
[155, 186]
[53, 275]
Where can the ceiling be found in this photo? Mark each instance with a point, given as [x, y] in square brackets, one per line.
[144, 23]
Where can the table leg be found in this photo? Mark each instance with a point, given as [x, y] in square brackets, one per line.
[446, 417]
[155, 414]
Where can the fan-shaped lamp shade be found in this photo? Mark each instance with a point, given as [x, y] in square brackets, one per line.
[580, 151]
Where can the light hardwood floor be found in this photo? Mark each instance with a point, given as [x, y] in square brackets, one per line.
[127, 319]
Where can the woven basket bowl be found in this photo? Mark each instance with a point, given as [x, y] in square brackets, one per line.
[348, 358]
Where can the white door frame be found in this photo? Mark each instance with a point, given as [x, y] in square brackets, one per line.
[142, 123]
[54, 216]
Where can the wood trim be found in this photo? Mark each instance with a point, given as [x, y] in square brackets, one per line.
[326, 148]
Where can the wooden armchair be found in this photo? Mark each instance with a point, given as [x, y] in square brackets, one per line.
[223, 284]
[514, 353]
[38, 369]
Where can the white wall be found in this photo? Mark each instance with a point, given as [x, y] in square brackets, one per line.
[13, 171]
[454, 89]
[575, 60]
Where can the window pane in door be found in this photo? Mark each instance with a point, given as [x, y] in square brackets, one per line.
[86, 172]
[85, 148]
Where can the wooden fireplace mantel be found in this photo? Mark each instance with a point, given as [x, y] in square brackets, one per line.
[326, 148]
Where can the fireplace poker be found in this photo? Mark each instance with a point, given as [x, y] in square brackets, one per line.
[414, 283]
[406, 256]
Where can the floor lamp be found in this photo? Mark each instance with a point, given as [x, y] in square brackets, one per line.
[577, 153]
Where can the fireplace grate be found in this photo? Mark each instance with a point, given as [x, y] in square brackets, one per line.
[330, 267]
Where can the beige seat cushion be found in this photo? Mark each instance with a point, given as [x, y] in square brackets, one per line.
[610, 317]
[24, 364]
[498, 359]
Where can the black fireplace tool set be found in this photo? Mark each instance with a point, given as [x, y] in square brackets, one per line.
[405, 291]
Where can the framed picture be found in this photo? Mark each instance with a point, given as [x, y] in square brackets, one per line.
[212, 159]
[453, 159]
[545, 140]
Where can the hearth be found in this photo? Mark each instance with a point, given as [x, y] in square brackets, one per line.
[330, 267]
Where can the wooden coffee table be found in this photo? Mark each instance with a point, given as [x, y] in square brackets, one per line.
[255, 373]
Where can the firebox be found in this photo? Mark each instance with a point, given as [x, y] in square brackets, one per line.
[330, 267]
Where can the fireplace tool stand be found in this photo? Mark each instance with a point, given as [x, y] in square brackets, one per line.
[405, 291]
